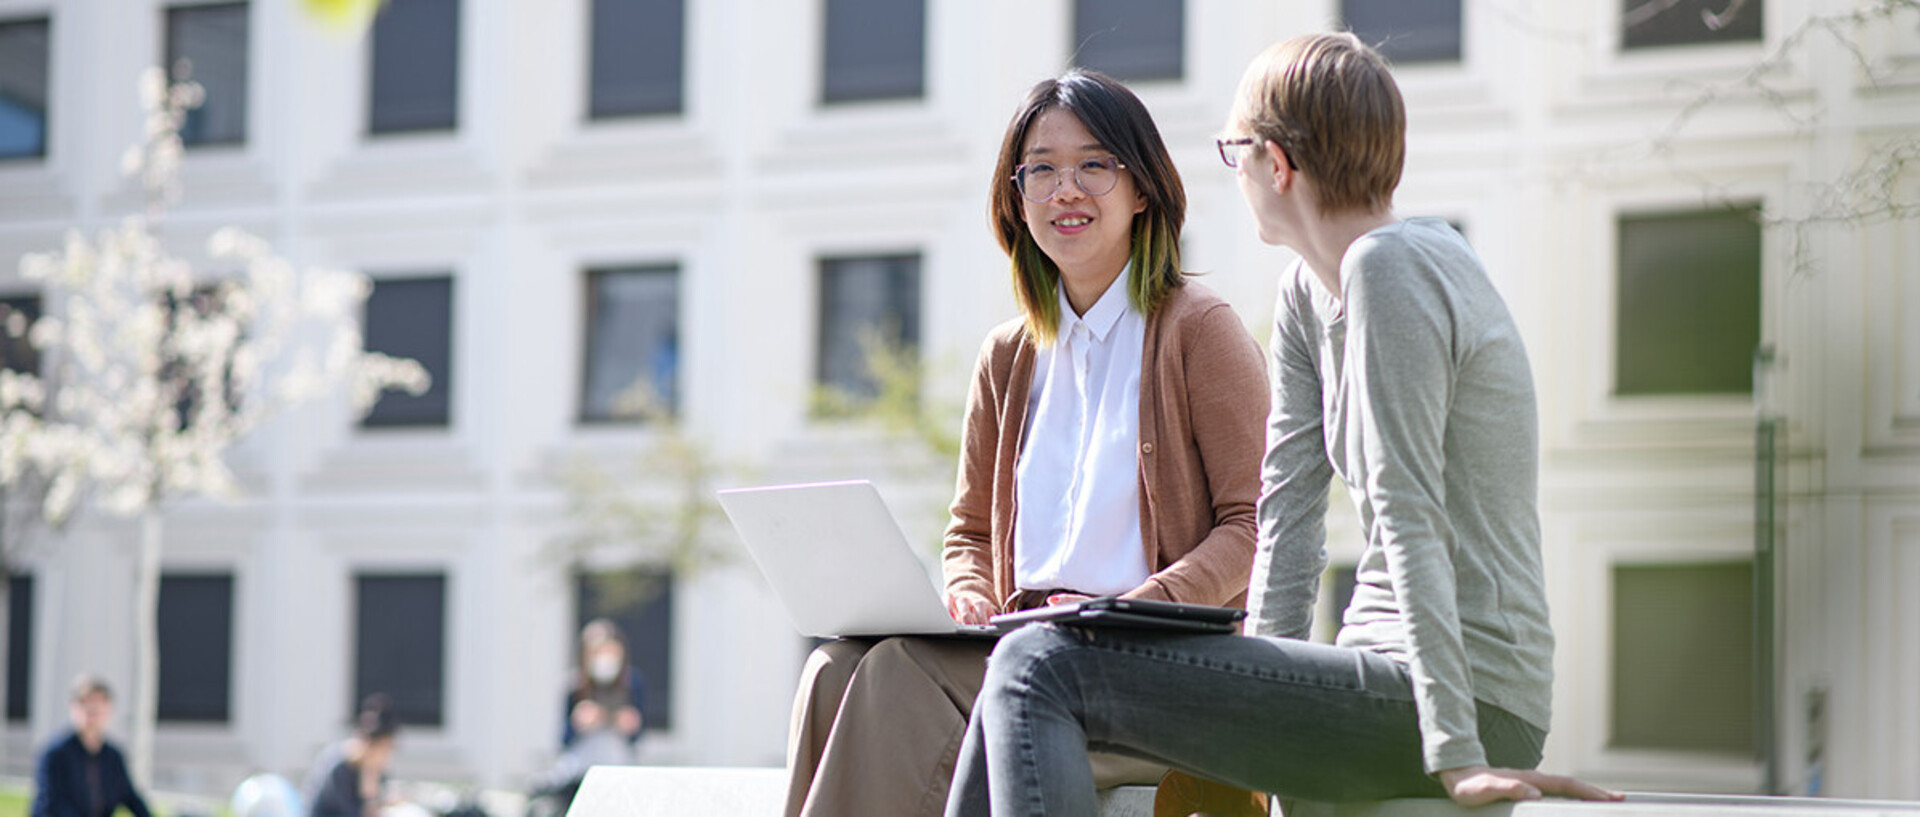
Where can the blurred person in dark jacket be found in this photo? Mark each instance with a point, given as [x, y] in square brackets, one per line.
[81, 773]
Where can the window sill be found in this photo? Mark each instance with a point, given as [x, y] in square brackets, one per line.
[639, 151]
[405, 164]
[30, 188]
[1677, 74]
[867, 135]
[384, 459]
[1673, 771]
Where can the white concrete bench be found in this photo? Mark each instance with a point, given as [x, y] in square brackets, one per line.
[1636, 805]
[660, 791]
[676, 791]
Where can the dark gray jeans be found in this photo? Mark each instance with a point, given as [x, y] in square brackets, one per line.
[1300, 720]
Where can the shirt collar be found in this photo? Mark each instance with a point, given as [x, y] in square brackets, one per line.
[1105, 313]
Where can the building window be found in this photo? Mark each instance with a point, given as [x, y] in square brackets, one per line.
[1133, 40]
[639, 54]
[17, 314]
[640, 602]
[23, 89]
[211, 41]
[633, 344]
[19, 647]
[400, 644]
[869, 306]
[875, 49]
[1407, 31]
[416, 67]
[196, 648]
[1657, 23]
[1688, 311]
[1683, 657]
[413, 317]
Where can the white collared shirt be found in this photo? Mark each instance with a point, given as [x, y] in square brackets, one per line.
[1078, 478]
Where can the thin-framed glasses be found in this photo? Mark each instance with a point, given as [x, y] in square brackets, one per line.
[1230, 150]
[1040, 181]
[1232, 157]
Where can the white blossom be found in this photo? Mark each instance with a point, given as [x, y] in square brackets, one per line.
[150, 372]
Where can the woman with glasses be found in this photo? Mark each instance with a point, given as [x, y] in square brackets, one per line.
[1111, 446]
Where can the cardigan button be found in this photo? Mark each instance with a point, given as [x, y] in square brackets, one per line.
[1146, 448]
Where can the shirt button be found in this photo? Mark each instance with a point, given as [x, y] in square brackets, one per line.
[1146, 448]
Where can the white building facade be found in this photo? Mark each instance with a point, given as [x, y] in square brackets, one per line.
[556, 198]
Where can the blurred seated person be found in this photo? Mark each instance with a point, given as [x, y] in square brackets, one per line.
[603, 720]
[81, 773]
[349, 776]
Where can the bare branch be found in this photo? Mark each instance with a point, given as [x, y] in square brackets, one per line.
[1716, 22]
[1645, 12]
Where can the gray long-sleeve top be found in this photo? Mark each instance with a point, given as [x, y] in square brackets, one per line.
[1413, 387]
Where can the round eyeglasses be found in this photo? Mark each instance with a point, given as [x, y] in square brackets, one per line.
[1040, 181]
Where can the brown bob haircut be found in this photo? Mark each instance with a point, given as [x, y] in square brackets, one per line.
[1123, 126]
[1331, 102]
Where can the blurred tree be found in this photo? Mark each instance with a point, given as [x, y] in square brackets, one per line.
[658, 510]
[1863, 192]
[148, 373]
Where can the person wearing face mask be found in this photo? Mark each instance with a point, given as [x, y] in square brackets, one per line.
[602, 721]
[603, 709]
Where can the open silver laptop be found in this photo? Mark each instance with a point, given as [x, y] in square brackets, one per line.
[838, 561]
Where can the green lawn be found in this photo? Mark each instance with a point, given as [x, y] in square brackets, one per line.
[16, 802]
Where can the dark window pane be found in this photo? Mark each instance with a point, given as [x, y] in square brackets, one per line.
[213, 39]
[19, 646]
[416, 66]
[1130, 39]
[1655, 23]
[196, 648]
[413, 317]
[1683, 657]
[17, 314]
[23, 89]
[633, 343]
[863, 302]
[641, 603]
[875, 49]
[1688, 314]
[400, 645]
[639, 50]
[1407, 31]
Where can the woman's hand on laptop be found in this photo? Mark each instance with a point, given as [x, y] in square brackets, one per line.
[968, 608]
[1065, 598]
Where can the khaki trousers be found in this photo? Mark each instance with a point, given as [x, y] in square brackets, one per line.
[877, 727]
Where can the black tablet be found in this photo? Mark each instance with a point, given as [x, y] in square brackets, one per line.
[1132, 614]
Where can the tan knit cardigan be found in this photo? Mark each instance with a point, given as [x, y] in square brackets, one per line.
[1203, 407]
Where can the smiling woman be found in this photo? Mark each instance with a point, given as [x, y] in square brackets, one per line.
[1085, 116]
[1081, 408]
